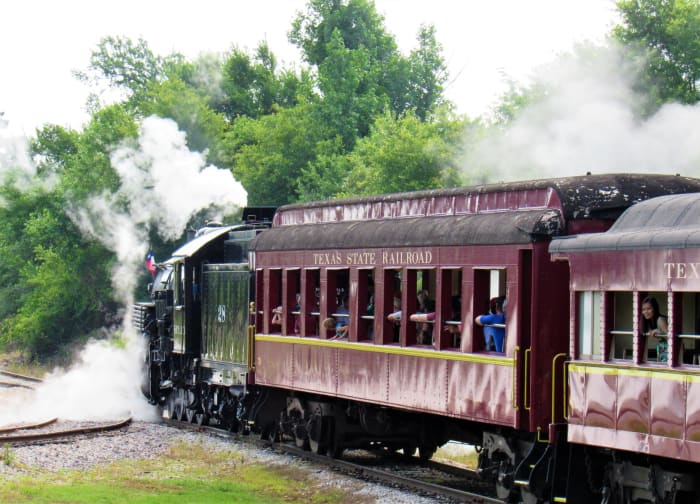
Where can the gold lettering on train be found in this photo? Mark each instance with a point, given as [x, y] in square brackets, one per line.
[407, 257]
[682, 270]
[360, 258]
[398, 257]
[328, 259]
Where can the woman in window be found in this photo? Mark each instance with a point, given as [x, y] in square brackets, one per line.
[656, 325]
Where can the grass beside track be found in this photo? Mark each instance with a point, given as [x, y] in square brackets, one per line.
[187, 473]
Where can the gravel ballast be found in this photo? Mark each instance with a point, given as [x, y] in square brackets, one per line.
[145, 440]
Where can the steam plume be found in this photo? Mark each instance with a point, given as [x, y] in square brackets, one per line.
[590, 120]
[163, 185]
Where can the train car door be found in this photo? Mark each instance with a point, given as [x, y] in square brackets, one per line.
[179, 312]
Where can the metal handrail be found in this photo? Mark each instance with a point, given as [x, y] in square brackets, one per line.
[526, 378]
[516, 351]
[554, 383]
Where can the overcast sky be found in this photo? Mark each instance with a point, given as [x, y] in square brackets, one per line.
[41, 41]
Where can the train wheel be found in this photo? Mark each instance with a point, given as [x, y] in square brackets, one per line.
[504, 481]
[179, 404]
[170, 406]
[271, 432]
[301, 439]
[409, 450]
[527, 497]
[318, 429]
[426, 452]
[201, 418]
[190, 415]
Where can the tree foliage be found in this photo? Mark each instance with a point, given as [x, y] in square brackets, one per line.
[358, 118]
[405, 154]
[665, 33]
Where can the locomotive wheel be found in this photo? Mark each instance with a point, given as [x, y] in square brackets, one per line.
[190, 415]
[201, 418]
[179, 404]
[179, 411]
[527, 497]
[170, 406]
[271, 432]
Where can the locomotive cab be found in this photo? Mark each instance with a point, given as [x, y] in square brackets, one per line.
[198, 362]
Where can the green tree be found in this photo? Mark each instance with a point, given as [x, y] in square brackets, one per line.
[428, 73]
[126, 65]
[256, 86]
[270, 152]
[326, 174]
[56, 286]
[357, 21]
[56, 283]
[361, 73]
[406, 154]
[665, 34]
[176, 100]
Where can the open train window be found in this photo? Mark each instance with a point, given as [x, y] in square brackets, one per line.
[621, 324]
[689, 334]
[310, 302]
[420, 296]
[590, 342]
[489, 284]
[273, 293]
[391, 325]
[654, 349]
[337, 302]
[450, 308]
[365, 304]
[291, 291]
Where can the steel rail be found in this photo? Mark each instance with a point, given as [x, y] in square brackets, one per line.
[20, 376]
[7, 384]
[38, 425]
[19, 438]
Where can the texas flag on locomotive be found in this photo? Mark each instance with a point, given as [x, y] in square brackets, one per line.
[151, 262]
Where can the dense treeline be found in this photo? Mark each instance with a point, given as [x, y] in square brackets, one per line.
[359, 117]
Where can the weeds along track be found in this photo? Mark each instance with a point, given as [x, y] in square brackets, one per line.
[432, 479]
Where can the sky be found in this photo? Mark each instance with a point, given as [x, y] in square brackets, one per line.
[43, 41]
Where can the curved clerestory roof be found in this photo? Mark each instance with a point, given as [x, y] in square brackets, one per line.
[671, 221]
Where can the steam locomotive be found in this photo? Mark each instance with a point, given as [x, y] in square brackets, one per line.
[577, 407]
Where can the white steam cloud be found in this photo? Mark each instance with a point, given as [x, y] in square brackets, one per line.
[14, 153]
[163, 186]
[589, 121]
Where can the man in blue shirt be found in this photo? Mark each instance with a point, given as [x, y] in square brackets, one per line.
[494, 336]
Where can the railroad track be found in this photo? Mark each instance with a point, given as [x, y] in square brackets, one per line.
[20, 376]
[6, 384]
[18, 380]
[54, 435]
[433, 479]
[38, 425]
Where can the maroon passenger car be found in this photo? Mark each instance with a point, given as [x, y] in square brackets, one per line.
[626, 393]
[408, 385]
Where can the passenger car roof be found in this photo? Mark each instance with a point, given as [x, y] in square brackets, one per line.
[671, 221]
